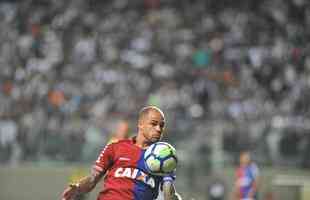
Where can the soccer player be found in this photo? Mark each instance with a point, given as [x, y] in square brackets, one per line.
[122, 132]
[123, 168]
[247, 175]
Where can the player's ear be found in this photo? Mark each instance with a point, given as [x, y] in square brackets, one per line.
[140, 123]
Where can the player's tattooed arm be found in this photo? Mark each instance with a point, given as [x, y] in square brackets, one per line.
[84, 185]
[88, 183]
[169, 191]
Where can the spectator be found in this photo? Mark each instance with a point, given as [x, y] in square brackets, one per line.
[89, 61]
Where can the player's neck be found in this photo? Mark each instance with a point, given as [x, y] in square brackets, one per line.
[141, 141]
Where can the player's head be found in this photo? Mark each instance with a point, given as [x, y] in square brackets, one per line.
[151, 123]
[122, 130]
[245, 158]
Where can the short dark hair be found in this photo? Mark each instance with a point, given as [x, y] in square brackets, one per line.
[146, 110]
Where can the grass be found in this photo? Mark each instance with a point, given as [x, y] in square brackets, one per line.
[33, 182]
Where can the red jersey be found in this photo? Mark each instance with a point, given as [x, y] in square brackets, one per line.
[126, 174]
[246, 177]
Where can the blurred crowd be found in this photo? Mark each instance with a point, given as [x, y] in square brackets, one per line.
[70, 68]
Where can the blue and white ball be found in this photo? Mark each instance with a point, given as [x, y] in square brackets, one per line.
[160, 158]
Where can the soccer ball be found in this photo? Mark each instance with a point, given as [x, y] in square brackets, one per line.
[160, 158]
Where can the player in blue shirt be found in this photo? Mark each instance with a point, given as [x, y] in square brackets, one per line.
[247, 175]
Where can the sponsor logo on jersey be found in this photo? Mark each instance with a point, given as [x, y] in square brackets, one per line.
[135, 174]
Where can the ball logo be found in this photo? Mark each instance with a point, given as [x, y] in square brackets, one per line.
[135, 174]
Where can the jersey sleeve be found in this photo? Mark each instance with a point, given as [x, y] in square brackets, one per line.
[255, 170]
[104, 160]
[167, 178]
[170, 177]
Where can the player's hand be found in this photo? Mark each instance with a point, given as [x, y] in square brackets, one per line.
[177, 196]
[70, 192]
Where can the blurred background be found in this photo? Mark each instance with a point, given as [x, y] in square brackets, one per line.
[230, 76]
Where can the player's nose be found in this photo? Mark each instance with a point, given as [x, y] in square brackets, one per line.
[158, 128]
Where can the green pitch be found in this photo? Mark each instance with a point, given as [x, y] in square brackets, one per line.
[47, 182]
[35, 183]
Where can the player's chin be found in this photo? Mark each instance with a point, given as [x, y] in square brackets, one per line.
[155, 139]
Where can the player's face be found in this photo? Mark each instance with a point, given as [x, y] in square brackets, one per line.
[245, 159]
[152, 126]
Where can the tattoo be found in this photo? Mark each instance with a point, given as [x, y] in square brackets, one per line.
[86, 184]
[94, 175]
